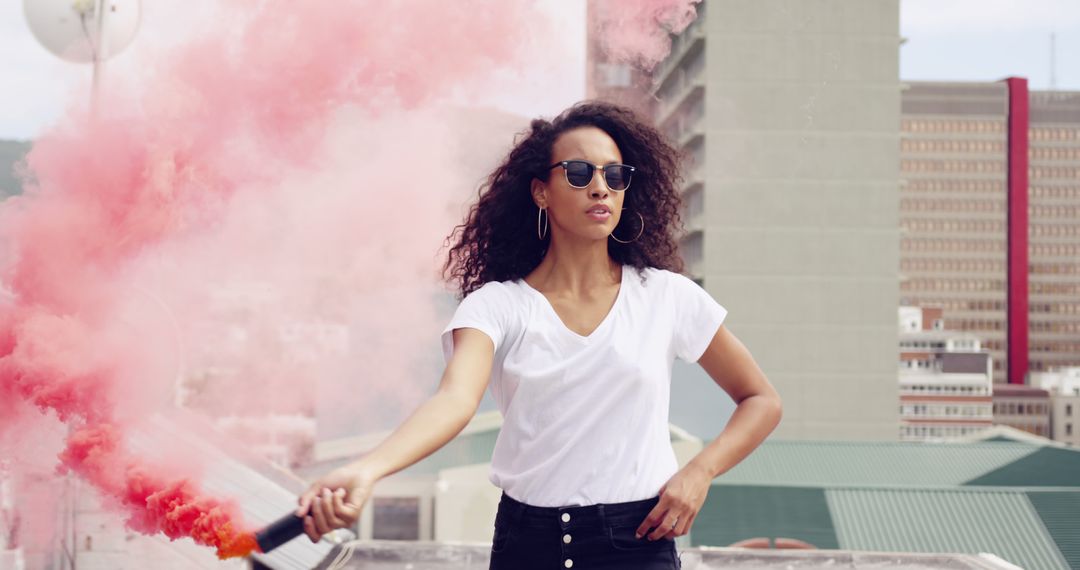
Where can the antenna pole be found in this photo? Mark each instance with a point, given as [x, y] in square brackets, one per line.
[1053, 61]
[95, 81]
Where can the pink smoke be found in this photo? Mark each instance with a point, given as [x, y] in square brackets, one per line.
[638, 31]
[313, 148]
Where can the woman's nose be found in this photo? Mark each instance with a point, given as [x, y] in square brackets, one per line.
[598, 186]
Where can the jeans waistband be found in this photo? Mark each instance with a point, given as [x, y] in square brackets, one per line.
[600, 514]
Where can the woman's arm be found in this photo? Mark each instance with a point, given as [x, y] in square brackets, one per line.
[758, 407]
[757, 414]
[336, 500]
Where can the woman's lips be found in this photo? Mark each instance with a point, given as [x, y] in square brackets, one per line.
[598, 215]
[598, 212]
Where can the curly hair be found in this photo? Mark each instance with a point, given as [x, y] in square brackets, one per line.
[498, 241]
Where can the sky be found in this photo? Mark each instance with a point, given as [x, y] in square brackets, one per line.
[38, 85]
[970, 40]
[980, 40]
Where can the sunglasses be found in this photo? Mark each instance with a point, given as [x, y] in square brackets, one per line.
[579, 174]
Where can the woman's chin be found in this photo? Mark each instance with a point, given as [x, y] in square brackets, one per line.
[589, 233]
[599, 234]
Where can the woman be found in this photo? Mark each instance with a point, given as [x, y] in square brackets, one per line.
[573, 308]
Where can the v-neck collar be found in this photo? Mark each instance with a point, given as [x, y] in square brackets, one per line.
[603, 322]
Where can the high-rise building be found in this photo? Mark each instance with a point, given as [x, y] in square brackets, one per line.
[790, 118]
[953, 206]
[1055, 230]
[990, 201]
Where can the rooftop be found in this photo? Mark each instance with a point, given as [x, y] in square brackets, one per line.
[387, 555]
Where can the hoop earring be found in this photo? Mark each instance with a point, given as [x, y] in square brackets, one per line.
[541, 234]
[640, 231]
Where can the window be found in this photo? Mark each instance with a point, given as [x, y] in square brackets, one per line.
[396, 518]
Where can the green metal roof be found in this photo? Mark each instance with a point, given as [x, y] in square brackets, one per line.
[1044, 467]
[964, 520]
[1016, 499]
[830, 463]
[737, 512]
[958, 520]
[1060, 512]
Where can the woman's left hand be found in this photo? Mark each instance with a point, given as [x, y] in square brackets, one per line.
[680, 500]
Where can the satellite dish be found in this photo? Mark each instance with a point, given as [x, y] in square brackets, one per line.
[83, 31]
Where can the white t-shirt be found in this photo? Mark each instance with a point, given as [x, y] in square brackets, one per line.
[585, 419]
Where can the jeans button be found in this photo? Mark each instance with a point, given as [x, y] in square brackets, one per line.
[566, 538]
[569, 563]
[565, 519]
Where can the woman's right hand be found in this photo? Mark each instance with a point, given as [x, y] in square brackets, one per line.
[335, 500]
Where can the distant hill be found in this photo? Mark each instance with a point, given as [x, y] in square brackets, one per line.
[11, 152]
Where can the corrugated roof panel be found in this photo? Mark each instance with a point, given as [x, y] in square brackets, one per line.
[1060, 513]
[1046, 467]
[872, 463]
[959, 520]
[737, 512]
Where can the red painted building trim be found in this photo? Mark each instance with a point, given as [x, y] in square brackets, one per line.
[1017, 224]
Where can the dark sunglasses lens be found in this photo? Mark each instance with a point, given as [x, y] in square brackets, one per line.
[579, 173]
[617, 177]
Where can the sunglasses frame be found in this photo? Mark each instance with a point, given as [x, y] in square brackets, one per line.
[592, 175]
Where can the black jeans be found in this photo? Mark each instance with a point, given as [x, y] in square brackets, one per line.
[582, 538]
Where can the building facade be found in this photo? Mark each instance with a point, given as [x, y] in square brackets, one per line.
[1063, 385]
[946, 389]
[790, 124]
[953, 206]
[1055, 230]
[990, 217]
[1025, 408]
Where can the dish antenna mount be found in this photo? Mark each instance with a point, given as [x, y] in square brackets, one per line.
[84, 31]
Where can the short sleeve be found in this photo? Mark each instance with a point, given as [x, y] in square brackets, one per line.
[697, 317]
[485, 309]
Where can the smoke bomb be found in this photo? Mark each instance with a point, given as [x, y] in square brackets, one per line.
[279, 532]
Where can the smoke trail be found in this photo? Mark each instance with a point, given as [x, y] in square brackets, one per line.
[309, 148]
[637, 31]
